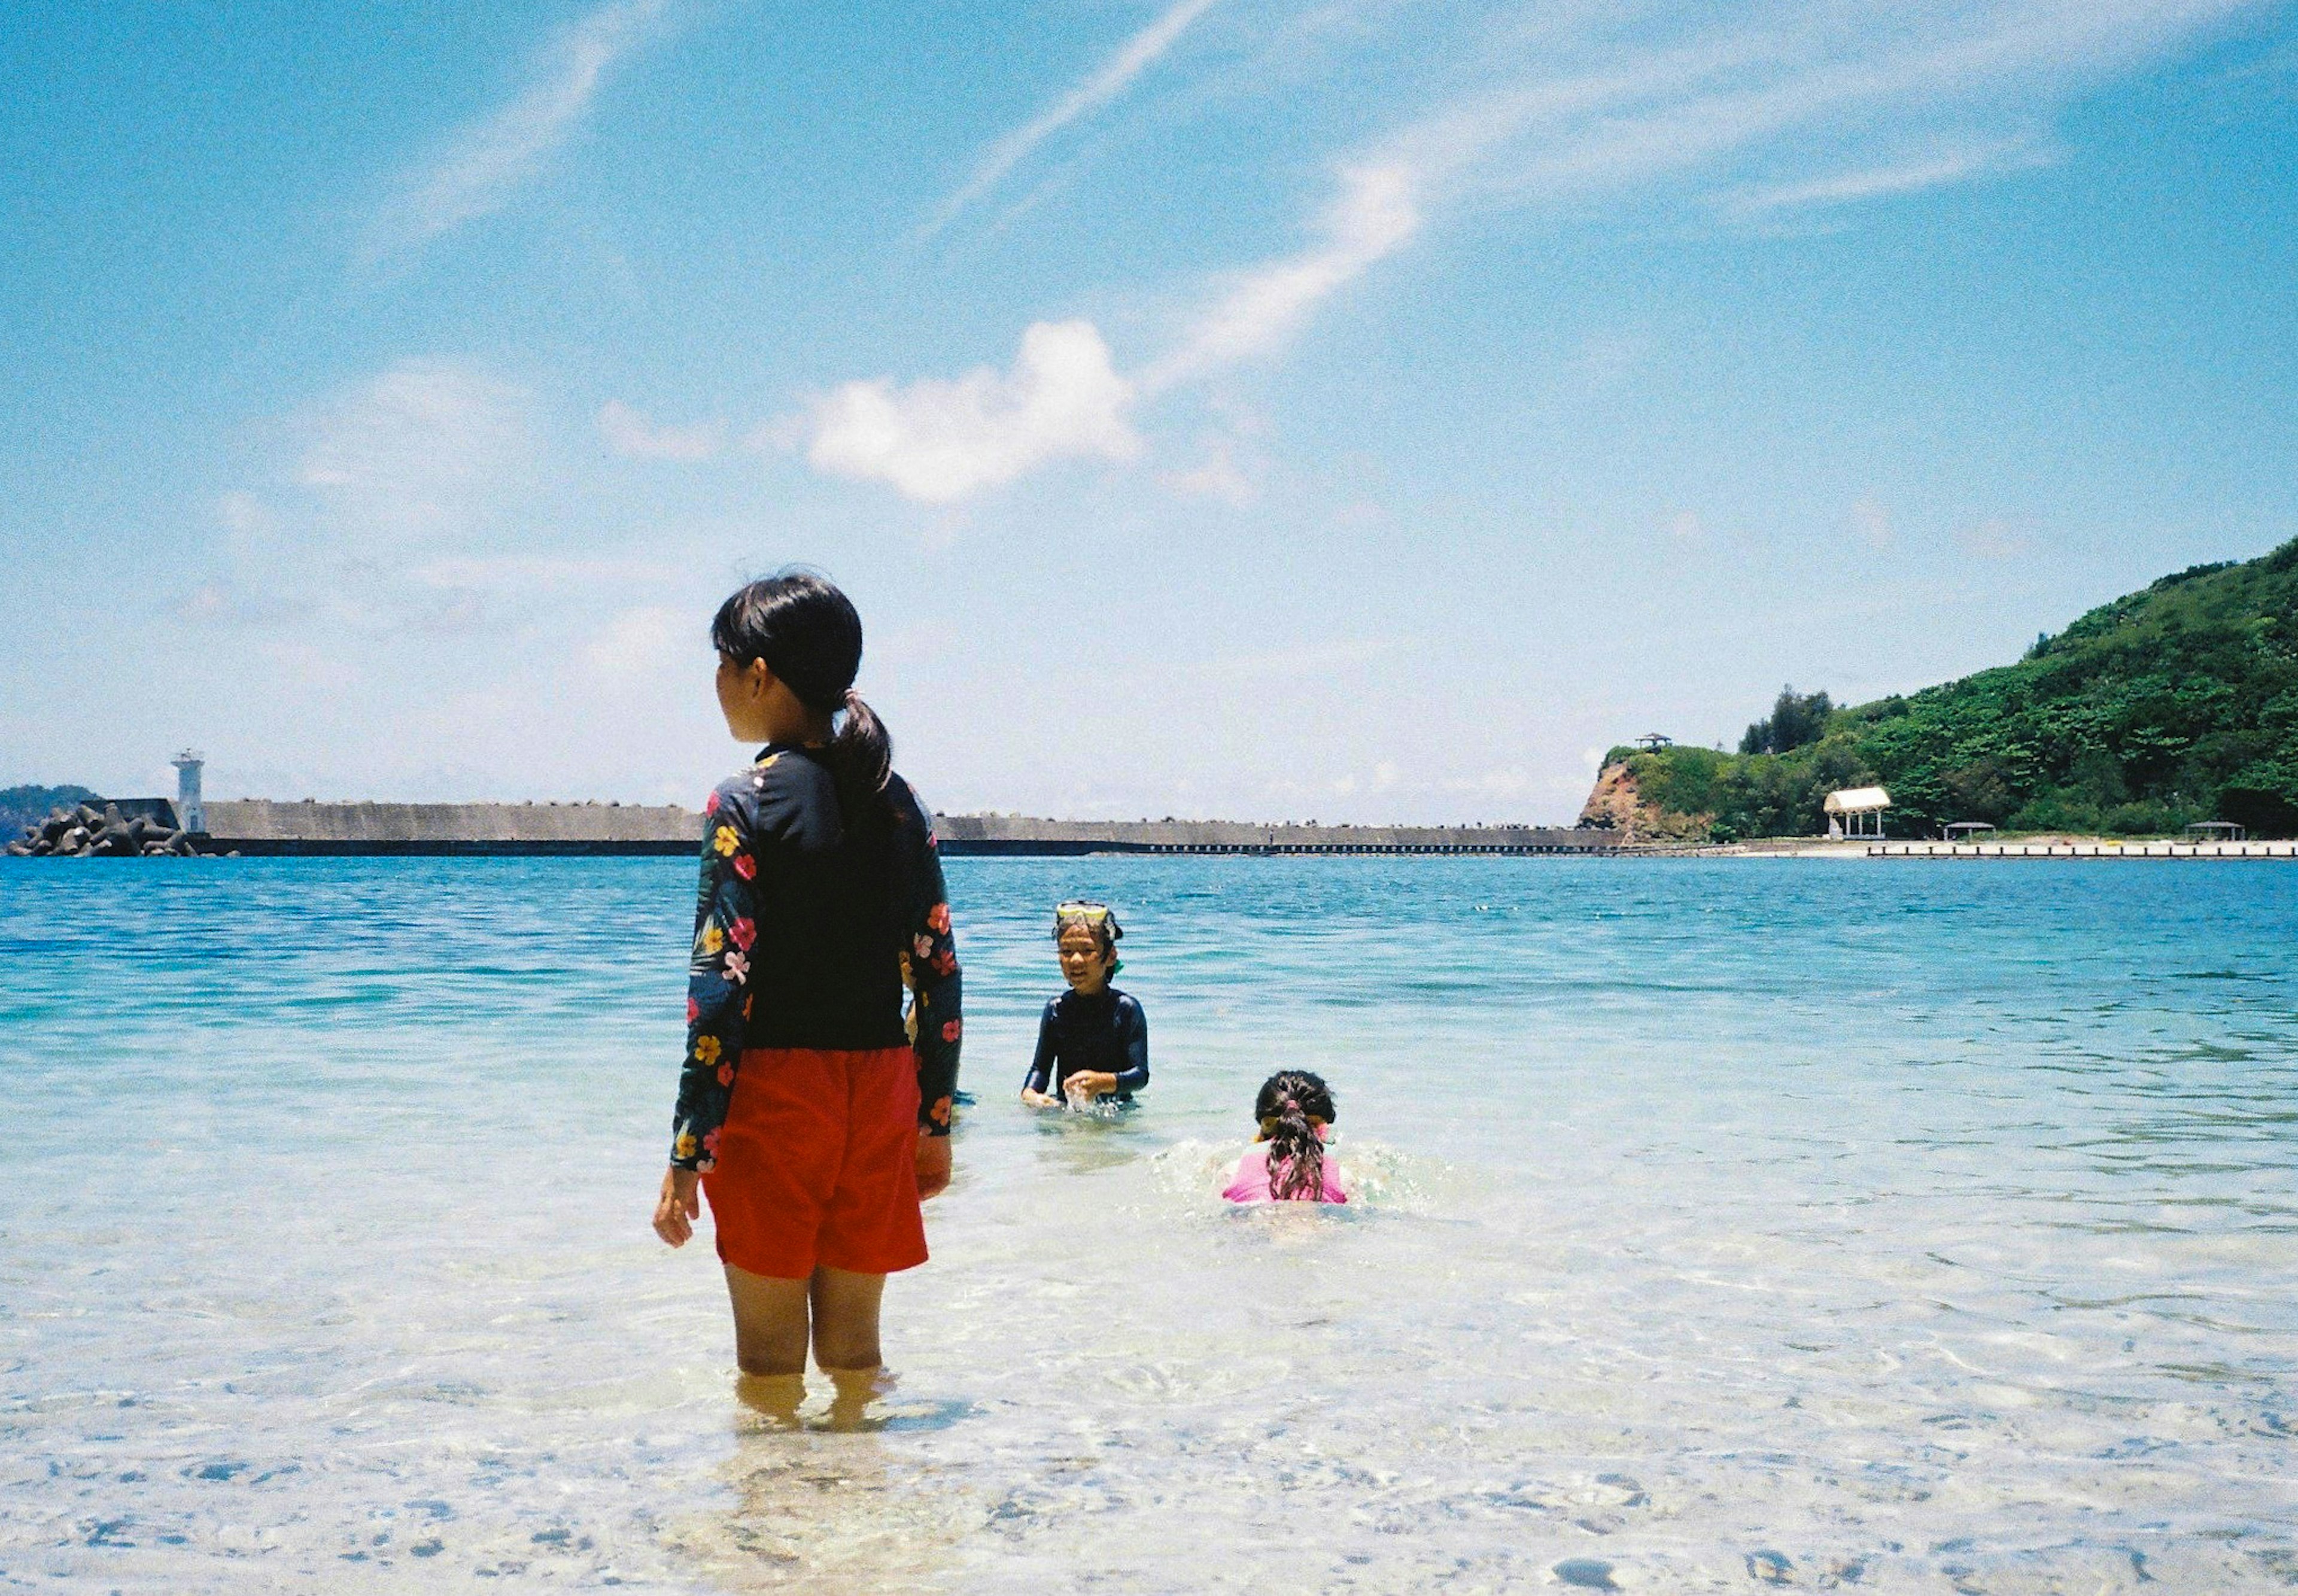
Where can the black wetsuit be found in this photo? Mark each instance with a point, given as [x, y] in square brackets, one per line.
[1106, 1032]
[804, 936]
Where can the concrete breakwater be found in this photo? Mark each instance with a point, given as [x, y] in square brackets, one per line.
[1022, 834]
[265, 826]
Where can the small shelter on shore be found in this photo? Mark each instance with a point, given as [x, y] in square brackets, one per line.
[1856, 811]
[1965, 831]
[1652, 742]
[2217, 831]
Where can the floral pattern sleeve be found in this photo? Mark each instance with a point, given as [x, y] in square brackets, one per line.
[717, 990]
[928, 966]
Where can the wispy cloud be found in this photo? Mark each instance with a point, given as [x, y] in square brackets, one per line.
[1761, 110]
[644, 642]
[413, 466]
[937, 441]
[1583, 114]
[483, 164]
[1111, 79]
[1959, 164]
[1882, 99]
[1221, 476]
[1376, 215]
[631, 434]
[418, 453]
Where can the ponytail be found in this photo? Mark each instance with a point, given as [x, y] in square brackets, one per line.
[1288, 1102]
[810, 637]
[1296, 1158]
[862, 758]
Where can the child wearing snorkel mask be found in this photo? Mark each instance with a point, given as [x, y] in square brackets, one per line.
[1094, 1040]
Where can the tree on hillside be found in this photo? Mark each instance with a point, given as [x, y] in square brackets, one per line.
[1797, 720]
[2174, 704]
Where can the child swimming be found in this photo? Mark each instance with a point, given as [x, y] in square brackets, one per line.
[1094, 1040]
[1287, 1162]
[811, 1112]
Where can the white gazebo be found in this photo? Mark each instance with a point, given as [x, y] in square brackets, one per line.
[1856, 811]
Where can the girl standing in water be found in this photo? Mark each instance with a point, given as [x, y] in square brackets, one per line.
[810, 1112]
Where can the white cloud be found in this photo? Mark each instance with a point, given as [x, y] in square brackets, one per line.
[1376, 215]
[939, 441]
[1955, 164]
[1696, 87]
[484, 163]
[632, 435]
[1602, 102]
[419, 452]
[1570, 104]
[1111, 79]
[643, 641]
[389, 483]
[1220, 475]
[1686, 527]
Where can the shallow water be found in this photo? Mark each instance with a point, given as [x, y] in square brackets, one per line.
[1727, 1224]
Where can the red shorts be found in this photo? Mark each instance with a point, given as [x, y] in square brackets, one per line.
[818, 1164]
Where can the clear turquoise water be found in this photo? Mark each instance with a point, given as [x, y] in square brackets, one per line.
[1903, 1227]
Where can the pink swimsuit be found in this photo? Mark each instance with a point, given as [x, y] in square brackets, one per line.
[1250, 1182]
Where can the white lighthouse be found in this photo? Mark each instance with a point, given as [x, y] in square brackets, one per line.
[190, 814]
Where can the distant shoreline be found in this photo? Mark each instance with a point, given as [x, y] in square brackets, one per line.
[265, 827]
[2015, 848]
[254, 826]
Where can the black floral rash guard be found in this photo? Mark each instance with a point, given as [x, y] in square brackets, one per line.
[807, 935]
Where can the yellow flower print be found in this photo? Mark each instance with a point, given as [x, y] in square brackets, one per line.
[685, 1147]
[706, 1049]
[711, 939]
[725, 840]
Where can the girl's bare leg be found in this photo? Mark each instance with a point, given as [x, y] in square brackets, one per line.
[845, 1320]
[770, 1322]
[774, 1398]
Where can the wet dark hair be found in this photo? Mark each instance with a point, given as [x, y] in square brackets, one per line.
[810, 637]
[1296, 1154]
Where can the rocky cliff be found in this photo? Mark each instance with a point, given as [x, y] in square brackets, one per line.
[1615, 805]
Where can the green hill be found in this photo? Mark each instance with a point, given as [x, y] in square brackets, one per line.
[2174, 704]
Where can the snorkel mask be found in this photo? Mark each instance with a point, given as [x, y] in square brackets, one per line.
[1097, 918]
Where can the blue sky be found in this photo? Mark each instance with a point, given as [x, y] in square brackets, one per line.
[1342, 410]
